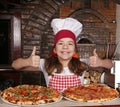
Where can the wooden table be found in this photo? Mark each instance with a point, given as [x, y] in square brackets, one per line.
[66, 103]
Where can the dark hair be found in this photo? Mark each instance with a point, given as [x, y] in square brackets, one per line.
[75, 65]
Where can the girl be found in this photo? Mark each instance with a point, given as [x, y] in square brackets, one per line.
[63, 68]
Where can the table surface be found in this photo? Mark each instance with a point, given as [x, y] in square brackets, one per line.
[67, 103]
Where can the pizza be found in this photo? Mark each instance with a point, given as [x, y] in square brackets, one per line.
[90, 93]
[30, 95]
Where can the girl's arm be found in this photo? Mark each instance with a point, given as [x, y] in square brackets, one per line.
[32, 61]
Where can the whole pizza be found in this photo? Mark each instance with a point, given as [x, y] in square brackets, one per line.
[30, 95]
[90, 93]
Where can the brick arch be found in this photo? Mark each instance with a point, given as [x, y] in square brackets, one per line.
[92, 14]
[36, 28]
[96, 26]
[94, 23]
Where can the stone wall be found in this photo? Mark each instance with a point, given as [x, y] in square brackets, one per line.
[36, 30]
[37, 15]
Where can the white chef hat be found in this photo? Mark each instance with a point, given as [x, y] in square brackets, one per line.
[66, 28]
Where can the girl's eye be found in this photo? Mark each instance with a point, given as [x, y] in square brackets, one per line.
[71, 43]
[60, 43]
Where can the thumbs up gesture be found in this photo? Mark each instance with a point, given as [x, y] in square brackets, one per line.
[34, 59]
[94, 61]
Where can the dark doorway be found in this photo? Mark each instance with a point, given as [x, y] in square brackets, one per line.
[10, 48]
[4, 41]
[10, 39]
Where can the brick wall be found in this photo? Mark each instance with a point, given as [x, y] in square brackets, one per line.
[37, 15]
[36, 31]
[99, 24]
[98, 19]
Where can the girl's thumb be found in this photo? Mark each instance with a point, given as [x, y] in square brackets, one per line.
[95, 53]
[34, 50]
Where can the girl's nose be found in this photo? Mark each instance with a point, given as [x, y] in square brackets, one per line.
[65, 46]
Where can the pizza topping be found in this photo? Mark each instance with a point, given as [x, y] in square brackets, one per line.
[30, 94]
[90, 93]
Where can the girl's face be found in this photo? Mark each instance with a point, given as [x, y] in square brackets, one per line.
[65, 48]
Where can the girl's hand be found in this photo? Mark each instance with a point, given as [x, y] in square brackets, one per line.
[34, 59]
[95, 61]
